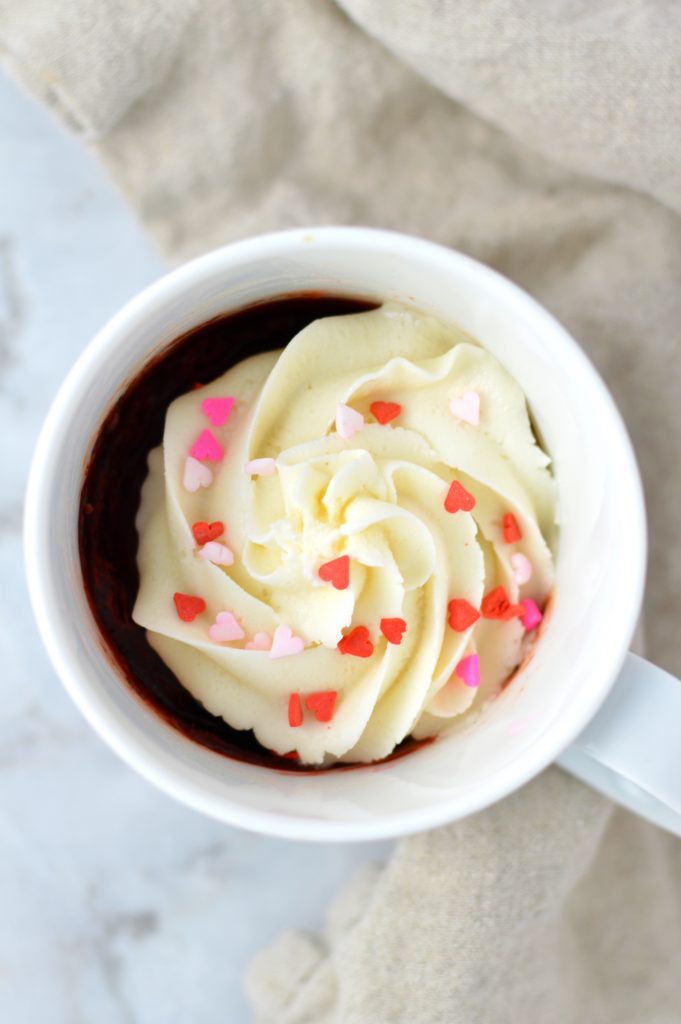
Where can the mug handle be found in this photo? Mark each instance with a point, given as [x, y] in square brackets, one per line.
[631, 749]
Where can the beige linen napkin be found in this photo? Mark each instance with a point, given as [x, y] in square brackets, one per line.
[543, 139]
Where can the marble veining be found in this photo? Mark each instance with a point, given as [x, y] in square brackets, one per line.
[119, 906]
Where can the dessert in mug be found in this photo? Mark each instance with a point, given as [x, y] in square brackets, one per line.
[347, 542]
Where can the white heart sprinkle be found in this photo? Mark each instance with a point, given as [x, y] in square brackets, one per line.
[260, 642]
[348, 421]
[284, 643]
[217, 553]
[522, 568]
[196, 475]
[225, 628]
[467, 407]
[261, 467]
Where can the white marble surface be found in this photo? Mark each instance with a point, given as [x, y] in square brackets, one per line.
[117, 905]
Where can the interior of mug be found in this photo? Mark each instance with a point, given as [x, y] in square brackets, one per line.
[599, 559]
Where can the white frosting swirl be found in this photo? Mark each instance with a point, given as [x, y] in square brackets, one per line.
[377, 497]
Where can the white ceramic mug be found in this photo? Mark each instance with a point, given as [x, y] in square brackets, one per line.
[607, 716]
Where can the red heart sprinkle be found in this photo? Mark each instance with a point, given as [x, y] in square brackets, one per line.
[461, 614]
[357, 642]
[384, 412]
[511, 529]
[393, 629]
[322, 704]
[295, 711]
[337, 572]
[188, 607]
[458, 498]
[496, 605]
[205, 532]
[290, 755]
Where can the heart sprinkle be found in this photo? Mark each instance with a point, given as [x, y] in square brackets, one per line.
[384, 412]
[496, 605]
[196, 475]
[467, 407]
[295, 711]
[348, 421]
[203, 532]
[461, 614]
[188, 606]
[261, 467]
[357, 642]
[225, 628]
[393, 630]
[458, 498]
[260, 642]
[322, 704]
[468, 669]
[217, 410]
[284, 643]
[218, 554]
[206, 446]
[336, 572]
[531, 616]
[522, 568]
[510, 529]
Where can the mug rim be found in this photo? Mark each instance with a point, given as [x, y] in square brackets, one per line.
[161, 768]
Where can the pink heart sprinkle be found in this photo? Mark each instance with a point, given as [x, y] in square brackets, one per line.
[467, 407]
[218, 554]
[522, 568]
[260, 642]
[261, 467]
[285, 643]
[225, 628]
[206, 446]
[468, 669]
[532, 616]
[196, 475]
[217, 410]
[348, 421]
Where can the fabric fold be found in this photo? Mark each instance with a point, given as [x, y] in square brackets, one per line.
[91, 62]
[516, 914]
[594, 87]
